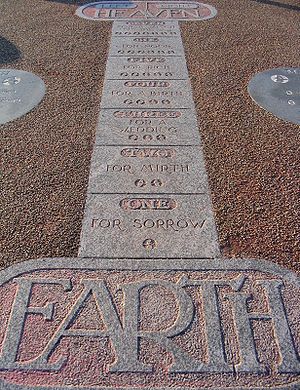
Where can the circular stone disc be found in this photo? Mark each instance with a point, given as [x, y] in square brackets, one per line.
[20, 92]
[278, 91]
[149, 10]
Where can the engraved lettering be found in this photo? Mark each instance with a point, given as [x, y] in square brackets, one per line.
[146, 10]
[148, 204]
[167, 168]
[146, 152]
[145, 39]
[143, 84]
[147, 114]
[120, 168]
[122, 319]
[124, 340]
[106, 223]
[146, 59]
[20, 310]
[277, 315]
[177, 225]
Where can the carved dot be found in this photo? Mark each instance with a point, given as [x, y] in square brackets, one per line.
[140, 183]
[156, 183]
[149, 244]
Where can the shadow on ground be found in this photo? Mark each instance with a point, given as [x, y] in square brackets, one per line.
[8, 51]
[278, 4]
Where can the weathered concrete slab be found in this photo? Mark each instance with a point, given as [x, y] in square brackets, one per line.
[147, 169]
[145, 28]
[122, 324]
[146, 68]
[147, 127]
[141, 46]
[147, 94]
[151, 226]
[20, 92]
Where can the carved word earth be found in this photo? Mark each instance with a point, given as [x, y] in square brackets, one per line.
[173, 325]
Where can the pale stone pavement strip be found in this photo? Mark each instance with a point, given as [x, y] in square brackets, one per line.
[148, 194]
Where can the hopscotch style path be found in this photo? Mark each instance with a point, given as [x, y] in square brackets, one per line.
[148, 304]
[148, 193]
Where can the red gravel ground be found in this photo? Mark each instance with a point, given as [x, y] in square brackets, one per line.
[253, 158]
[47, 152]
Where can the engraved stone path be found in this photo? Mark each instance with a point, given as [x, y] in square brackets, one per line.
[148, 194]
[148, 304]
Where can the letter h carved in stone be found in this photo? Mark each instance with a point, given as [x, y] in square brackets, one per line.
[289, 361]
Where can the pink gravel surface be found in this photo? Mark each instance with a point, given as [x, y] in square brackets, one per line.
[252, 157]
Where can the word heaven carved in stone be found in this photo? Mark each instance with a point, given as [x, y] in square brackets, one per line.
[141, 10]
[114, 324]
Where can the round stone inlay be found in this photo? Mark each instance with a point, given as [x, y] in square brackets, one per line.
[20, 92]
[141, 10]
[278, 91]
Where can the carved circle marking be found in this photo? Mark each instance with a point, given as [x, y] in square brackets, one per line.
[141, 10]
[278, 91]
[20, 92]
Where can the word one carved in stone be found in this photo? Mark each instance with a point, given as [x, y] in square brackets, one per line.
[20, 92]
[103, 324]
[141, 10]
[278, 91]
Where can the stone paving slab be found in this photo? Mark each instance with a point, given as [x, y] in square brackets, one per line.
[147, 170]
[147, 94]
[151, 226]
[183, 324]
[146, 68]
[156, 46]
[148, 127]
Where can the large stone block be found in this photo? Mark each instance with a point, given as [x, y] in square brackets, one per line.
[147, 127]
[151, 226]
[151, 169]
[146, 68]
[123, 324]
[147, 94]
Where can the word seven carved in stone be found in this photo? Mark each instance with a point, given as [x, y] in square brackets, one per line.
[147, 152]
